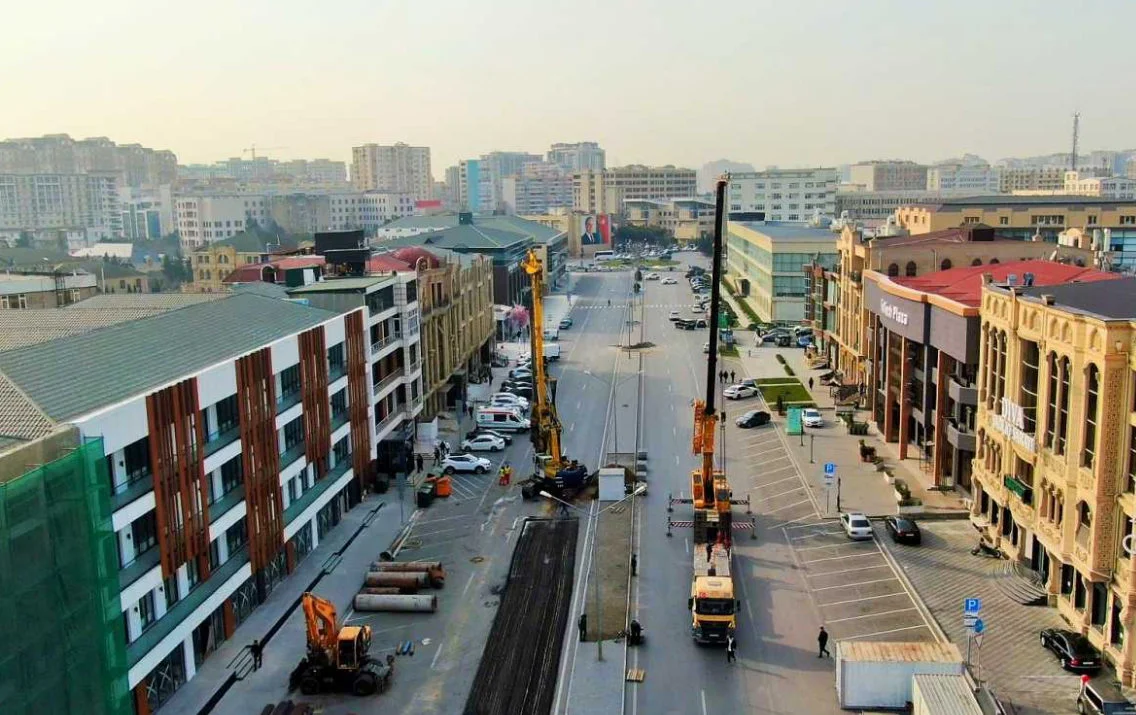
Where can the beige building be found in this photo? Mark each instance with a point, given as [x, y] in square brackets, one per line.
[686, 219]
[20, 291]
[397, 168]
[889, 176]
[212, 263]
[1055, 471]
[605, 191]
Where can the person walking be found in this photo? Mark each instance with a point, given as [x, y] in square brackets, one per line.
[583, 625]
[437, 455]
[418, 462]
[634, 564]
[257, 651]
[732, 377]
[731, 649]
[822, 642]
[810, 384]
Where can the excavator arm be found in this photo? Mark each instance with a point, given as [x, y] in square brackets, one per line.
[322, 626]
[544, 410]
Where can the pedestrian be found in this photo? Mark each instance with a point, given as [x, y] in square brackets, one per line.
[732, 376]
[469, 409]
[709, 550]
[822, 641]
[418, 461]
[583, 625]
[634, 565]
[502, 477]
[257, 651]
[731, 649]
[437, 455]
[810, 383]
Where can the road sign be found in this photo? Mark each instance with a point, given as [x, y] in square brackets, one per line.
[829, 479]
[829, 469]
[968, 621]
[971, 606]
[979, 627]
[978, 640]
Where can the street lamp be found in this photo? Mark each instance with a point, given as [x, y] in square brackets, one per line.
[595, 567]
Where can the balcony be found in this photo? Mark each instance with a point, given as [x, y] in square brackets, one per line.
[414, 367]
[961, 394]
[291, 454]
[382, 343]
[227, 501]
[297, 506]
[141, 484]
[286, 400]
[139, 567]
[961, 438]
[387, 381]
[338, 419]
[336, 371]
[221, 439]
[395, 415]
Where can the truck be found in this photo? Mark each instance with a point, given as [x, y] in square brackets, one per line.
[879, 674]
[552, 351]
[713, 607]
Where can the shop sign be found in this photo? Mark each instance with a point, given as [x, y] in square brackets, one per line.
[1012, 423]
[892, 312]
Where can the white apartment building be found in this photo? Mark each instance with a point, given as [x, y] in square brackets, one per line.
[606, 191]
[147, 213]
[784, 195]
[203, 219]
[889, 176]
[131, 164]
[397, 168]
[1110, 187]
[578, 156]
[978, 179]
[538, 189]
[39, 202]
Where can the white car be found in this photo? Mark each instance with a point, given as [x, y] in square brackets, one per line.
[706, 348]
[508, 398]
[856, 525]
[465, 463]
[738, 392]
[651, 277]
[675, 315]
[696, 309]
[484, 443]
[669, 282]
[811, 417]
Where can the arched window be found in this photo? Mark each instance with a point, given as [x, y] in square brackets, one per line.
[893, 270]
[1084, 515]
[910, 269]
[1092, 405]
[945, 264]
[994, 260]
[976, 262]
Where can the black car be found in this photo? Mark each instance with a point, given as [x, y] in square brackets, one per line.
[903, 530]
[753, 418]
[520, 390]
[1072, 649]
[683, 324]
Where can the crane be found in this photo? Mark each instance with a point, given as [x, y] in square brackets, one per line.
[337, 657]
[555, 472]
[252, 150]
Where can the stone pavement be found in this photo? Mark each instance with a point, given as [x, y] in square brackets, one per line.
[1011, 660]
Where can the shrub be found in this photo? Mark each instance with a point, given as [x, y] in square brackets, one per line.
[858, 428]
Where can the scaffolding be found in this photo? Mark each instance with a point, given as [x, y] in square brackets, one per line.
[60, 613]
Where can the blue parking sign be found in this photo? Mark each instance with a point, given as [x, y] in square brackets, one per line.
[829, 468]
[971, 605]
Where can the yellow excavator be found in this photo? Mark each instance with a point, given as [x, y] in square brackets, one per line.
[337, 658]
[555, 473]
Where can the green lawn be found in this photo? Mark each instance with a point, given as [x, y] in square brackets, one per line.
[791, 391]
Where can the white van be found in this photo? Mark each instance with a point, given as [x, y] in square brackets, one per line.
[503, 418]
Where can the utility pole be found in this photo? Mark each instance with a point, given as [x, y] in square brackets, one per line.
[1076, 136]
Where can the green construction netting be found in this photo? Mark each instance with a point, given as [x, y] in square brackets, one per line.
[61, 636]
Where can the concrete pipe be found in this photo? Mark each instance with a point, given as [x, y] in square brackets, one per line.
[407, 566]
[381, 590]
[415, 604]
[398, 580]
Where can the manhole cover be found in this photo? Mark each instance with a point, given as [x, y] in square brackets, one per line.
[477, 559]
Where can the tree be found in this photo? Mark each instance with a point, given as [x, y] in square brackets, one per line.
[652, 235]
[24, 240]
[705, 246]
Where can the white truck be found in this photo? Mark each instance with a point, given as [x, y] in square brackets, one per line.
[551, 351]
[878, 674]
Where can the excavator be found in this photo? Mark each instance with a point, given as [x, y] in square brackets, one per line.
[555, 473]
[337, 658]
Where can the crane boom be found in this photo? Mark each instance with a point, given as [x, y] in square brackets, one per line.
[546, 436]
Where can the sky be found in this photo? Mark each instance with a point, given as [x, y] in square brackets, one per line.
[789, 83]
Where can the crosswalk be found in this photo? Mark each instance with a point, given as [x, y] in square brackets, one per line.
[623, 306]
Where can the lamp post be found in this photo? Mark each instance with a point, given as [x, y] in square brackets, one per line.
[595, 567]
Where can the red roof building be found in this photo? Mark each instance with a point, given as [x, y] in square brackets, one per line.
[272, 271]
[964, 285]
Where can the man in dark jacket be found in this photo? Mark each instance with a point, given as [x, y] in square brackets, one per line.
[822, 642]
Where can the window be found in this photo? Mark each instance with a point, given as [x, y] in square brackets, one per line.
[293, 433]
[1003, 220]
[971, 220]
[1128, 220]
[1131, 486]
[339, 403]
[232, 474]
[1092, 220]
[170, 588]
[144, 533]
[236, 536]
[1051, 401]
[1063, 408]
[136, 459]
[289, 382]
[335, 358]
[910, 269]
[945, 264]
[22, 301]
[1031, 357]
[146, 613]
[1092, 395]
[893, 270]
[228, 416]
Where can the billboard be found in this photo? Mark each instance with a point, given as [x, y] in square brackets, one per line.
[589, 233]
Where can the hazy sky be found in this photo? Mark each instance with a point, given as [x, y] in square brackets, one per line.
[791, 82]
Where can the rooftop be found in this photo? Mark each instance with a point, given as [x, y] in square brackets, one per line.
[788, 231]
[1110, 300]
[964, 285]
[471, 237]
[75, 375]
[354, 284]
[254, 242]
[251, 272]
[1011, 201]
[513, 224]
[961, 234]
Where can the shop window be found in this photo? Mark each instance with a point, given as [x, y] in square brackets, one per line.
[1116, 626]
[1092, 394]
[1067, 576]
[1079, 592]
[1099, 610]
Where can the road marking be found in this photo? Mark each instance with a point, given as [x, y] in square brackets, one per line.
[789, 506]
[859, 600]
[874, 615]
[854, 585]
[676, 460]
[781, 469]
[823, 546]
[833, 573]
[686, 542]
[764, 451]
[571, 426]
[781, 494]
[578, 402]
[434, 662]
[703, 701]
[815, 534]
[907, 628]
[468, 584]
[769, 484]
[439, 531]
[837, 558]
[803, 526]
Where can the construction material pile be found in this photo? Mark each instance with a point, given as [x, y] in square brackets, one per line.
[395, 585]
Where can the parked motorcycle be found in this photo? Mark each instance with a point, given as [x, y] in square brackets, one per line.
[987, 550]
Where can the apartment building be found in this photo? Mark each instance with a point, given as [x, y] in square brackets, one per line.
[859, 205]
[392, 168]
[1107, 187]
[205, 218]
[889, 176]
[42, 203]
[784, 195]
[977, 179]
[837, 304]
[147, 213]
[25, 291]
[605, 191]
[228, 449]
[1055, 470]
[687, 220]
[766, 265]
[1023, 217]
[537, 189]
[130, 164]
[213, 262]
[578, 156]
[923, 356]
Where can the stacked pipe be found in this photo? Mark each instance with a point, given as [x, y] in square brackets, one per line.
[393, 586]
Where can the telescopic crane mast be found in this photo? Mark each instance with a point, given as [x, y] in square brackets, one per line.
[546, 422]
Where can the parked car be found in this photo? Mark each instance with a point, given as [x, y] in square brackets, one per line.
[483, 443]
[509, 398]
[739, 392]
[521, 373]
[669, 282]
[696, 309]
[903, 530]
[811, 417]
[753, 418]
[856, 525]
[675, 315]
[521, 389]
[565, 323]
[651, 277]
[749, 382]
[699, 322]
[773, 336]
[1102, 697]
[684, 324]
[1072, 649]
[480, 430]
[466, 463]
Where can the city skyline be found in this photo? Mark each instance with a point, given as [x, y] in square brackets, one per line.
[448, 84]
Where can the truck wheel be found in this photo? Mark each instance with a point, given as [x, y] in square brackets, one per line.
[310, 685]
[365, 684]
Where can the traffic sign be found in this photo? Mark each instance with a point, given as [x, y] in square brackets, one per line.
[979, 627]
[978, 640]
[968, 621]
[971, 605]
[829, 479]
[829, 469]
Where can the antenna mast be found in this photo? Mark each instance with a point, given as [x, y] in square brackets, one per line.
[1076, 133]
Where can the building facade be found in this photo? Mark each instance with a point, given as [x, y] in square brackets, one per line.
[205, 218]
[889, 176]
[605, 191]
[130, 164]
[879, 205]
[687, 220]
[538, 189]
[38, 203]
[977, 179]
[1055, 471]
[24, 291]
[766, 265]
[146, 213]
[578, 156]
[396, 168]
[784, 195]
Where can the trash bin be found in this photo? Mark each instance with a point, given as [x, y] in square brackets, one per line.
[425, 495]
[444, 486]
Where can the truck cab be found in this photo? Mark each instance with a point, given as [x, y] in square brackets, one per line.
[713, 607]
